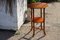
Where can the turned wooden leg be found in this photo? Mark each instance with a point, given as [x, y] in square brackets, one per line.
[44, 28]
[33, 31]
[31, 20]
[33, 24]
[41, 16]
[44, 21]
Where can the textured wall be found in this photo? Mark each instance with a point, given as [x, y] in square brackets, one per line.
[21, 7]
[16, 20]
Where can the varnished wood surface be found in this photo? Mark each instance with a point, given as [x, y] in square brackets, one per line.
[38, 20]
[37, 5]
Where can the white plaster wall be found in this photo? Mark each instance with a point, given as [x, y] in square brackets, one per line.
[20, 11]
[12, 22]
[25, 5]
[7, 21]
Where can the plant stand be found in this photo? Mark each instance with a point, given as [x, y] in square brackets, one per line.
[40, 19]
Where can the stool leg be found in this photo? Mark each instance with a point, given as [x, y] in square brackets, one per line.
[44, 21]
[44, 28]
[31, 27]
[41, 16]
[33, 30]
[33, 24]
[31, 21]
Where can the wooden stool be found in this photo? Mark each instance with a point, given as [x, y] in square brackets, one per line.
[40, 19]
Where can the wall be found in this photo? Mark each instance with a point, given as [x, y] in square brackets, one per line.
[15, 21]
[21, 8]
[7, 21]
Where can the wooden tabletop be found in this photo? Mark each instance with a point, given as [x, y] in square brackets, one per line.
[38, 5]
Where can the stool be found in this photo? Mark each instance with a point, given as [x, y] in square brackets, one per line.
[40, 19]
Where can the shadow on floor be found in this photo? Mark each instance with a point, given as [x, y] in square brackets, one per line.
[6, 34]
[41, 37]
[26, 21]
[24, 37]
